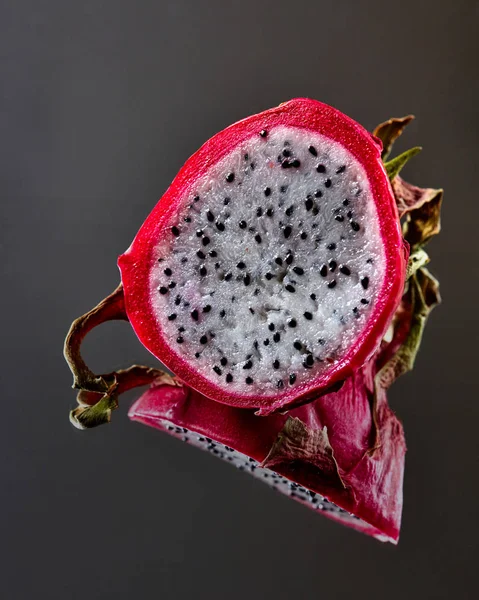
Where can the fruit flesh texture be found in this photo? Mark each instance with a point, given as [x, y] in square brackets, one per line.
[140, 262]
[274, 273]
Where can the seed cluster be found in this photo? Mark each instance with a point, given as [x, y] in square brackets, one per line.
[273, 264]
[249, 465]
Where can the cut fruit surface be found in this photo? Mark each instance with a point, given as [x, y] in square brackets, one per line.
[272, 265]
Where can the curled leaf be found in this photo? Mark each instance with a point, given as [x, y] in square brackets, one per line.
[389, 131]
[417, 259]
[424, 222]
[297, 442]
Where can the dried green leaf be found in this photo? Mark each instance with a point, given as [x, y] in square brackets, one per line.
[417, 259]
[86, 417]
[395, 165]
[389, 131]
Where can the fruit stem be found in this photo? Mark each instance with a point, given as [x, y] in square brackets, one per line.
[98, 394]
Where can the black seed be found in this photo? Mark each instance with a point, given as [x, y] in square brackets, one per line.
[332, 265]
[220, 226]
[194, 315]
[267, 191]
[172, 317]
[179, 339]
[199, 233]
[172, 285]
[252, 166]
[321, 342]
[207, 308]
[226, 201]
[241, 265]
[256, 292]
[276, 364]
[196, 198]
[286, 152]
[355, 309]
[364, 301]
[345, 202]
[269, 276]
[298, 345]
[200, 254]
[287, 231]
[290, 288]
[298, 270]
[313, 296]
[321, 169]
[213, 254]
[278, 261]
[286, 164]
[168, 272]
[309, 204]
[228, 276]
[276, 337]
[178, 300]
[292, 323]
[203, 271]
[184, 260]
[251, 310]
[309, 360]
[308, 315]
[318, 194]
[216, 369]
[203, 339]
[181, 329]
[313, 151]
[266, 342]
[222, 313]
[332, 284]
[369, 261]
[365, 282]
[249, 380]
[345, 270]
[224, 361]
[247, 279]
[283, 188]
[187, 219]
[331, 246]
[269, 212]
[163, 290]
[259, 211]
[296, 163]
[339, 218]
[243, 224]
[315, 211]
[175, 231]
[197, 354]
[327, 183]
[229, 378]
[257, 238]
[292, 378]
[289, 211]
[271, 327]
[354, 226]
[263, 133]
[289, 258]
[304, 235]
[230, 177]
[323, 271]
[341, 169]
[279, 383]
[205, 241]
[210, 216]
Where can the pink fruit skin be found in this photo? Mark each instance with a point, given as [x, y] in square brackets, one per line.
[372, 477]
[136, 263]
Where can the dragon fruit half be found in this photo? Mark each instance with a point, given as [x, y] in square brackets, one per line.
[275, 280]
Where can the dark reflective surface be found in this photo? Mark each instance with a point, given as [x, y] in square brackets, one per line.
[101, 103]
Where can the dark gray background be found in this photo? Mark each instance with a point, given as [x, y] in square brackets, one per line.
[101, 102]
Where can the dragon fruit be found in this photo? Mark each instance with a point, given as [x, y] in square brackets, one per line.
[274, 279]
[272, 266]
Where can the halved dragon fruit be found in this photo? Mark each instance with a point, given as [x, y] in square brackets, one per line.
[271, 267]
[271, 278]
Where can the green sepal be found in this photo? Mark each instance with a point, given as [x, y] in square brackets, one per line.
[395, 165]
[417, 259]
[422, 296]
